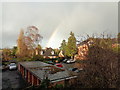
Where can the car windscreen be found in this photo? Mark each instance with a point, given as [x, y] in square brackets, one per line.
[12, 64]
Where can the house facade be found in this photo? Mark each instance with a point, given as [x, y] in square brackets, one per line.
[49, 53]
[83, 50]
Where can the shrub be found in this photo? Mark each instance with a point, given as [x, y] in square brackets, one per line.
[58, 86]
[37, 58]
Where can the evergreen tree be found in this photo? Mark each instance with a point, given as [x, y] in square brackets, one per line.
[39, 47]
[14, 50]
[71, 48]
[63, 46]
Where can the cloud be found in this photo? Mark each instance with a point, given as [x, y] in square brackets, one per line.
[64, 17]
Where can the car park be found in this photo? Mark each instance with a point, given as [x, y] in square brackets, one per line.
[12, 66]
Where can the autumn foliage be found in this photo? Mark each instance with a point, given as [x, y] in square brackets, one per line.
[28, 41]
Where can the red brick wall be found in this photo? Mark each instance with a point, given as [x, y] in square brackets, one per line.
[68, 81]
[30, 78]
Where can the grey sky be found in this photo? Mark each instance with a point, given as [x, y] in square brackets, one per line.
[56, 20]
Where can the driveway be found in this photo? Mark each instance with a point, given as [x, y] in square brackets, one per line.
[12, 80]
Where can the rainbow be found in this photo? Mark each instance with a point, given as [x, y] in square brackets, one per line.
[52, 37]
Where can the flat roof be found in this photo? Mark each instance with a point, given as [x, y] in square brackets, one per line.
[40, 69]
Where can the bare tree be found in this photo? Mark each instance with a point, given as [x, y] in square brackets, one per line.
[32, 37]
[28, 41]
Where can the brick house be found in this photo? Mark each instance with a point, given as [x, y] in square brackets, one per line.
[49, 53]
[83, 47]
[83, 50]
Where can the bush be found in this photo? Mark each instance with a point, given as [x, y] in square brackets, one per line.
[45, 83]
[37, 58]
[58, 86]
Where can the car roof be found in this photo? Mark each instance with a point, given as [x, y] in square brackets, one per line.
[12, 63]
[58, 64]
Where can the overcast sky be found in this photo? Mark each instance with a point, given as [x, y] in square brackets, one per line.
[55, 20]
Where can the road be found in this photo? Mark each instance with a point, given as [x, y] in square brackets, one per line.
[12, 80]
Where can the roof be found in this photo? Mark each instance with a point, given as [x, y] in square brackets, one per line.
[39, 68]
[48, 52]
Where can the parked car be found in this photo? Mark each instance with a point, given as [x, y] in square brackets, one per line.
[76, 69]
[50, 62]
[70, 61]
[65, 60]
[12, 66]
[73, 69]
[59, 65]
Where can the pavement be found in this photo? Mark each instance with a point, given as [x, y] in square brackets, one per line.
[12, 80]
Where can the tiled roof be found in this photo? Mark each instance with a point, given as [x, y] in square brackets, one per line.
[48, 52]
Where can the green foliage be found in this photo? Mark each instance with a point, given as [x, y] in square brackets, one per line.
[71, 48]
[34, 58]
[60, 59]
[63, 47]
[45, 83]
[39, 47]
[24, 59]
[14, 51]
[116, 49]
[6, 54]
[37, 58]
[58, 86]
